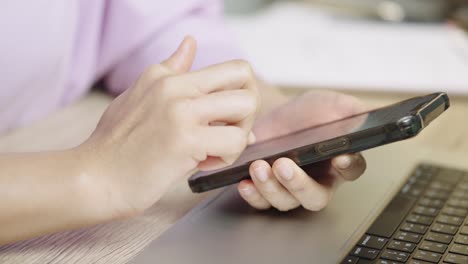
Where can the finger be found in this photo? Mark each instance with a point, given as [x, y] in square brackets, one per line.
[236, 74]
[179, 62]
[230, 107]
[312, 195]
[182, 59]
[226, 142]
[250, 194]
[270, 188]
[214, 163]
[349, 166]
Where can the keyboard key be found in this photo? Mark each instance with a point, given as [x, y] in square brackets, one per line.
[350, 260]
[389, 220]
[385, 261]
[454, 211]
[427, 256]
[463, 186]
[408, 237]
[366, 253]
[436, 194]
[414, 190]
[373, 242]
[426, 169]
[395, 255]
[451, 220]
[416, 180]
[464, 230]
[436, 203]
[421, 176]
[433, 246]
[365, 261]
[423, 224]
[455, 259]
[459, 249]
[448, 175]
[428, 211]
[458, 203]
[419, 219]
[445, 229]
[402, 246]
[415, 261]
[460, 194]
[441, 238]
[415, 228]
[461, 240]
[441, 185]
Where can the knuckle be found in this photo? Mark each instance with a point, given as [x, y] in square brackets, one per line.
[297, 185]
[178, 112]
[187, 142]
[269, 190]
[154, 72]
[165, 86]
[244, 67]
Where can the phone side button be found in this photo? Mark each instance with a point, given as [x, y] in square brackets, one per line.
[333, 145]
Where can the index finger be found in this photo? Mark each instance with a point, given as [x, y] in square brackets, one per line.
[232, 75]
[235, 74]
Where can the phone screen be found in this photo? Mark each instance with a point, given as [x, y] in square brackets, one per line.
[316, 134]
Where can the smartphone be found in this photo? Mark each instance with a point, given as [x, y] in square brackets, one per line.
[352, 134]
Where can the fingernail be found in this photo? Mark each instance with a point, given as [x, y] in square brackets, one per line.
[286, 172]
[247, 190]
[261, 174]
[343, 162]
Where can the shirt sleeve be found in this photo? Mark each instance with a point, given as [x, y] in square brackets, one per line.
[202, 20]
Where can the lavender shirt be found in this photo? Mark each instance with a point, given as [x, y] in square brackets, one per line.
[52, 51]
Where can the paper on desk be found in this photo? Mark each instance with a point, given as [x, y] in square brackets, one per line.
[295, 45]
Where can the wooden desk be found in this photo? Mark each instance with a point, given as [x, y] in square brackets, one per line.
[117, 242]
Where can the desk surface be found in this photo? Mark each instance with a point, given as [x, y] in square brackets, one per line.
[117, 242]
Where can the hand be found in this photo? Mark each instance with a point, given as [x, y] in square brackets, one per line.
[169, 124]
[284, 185]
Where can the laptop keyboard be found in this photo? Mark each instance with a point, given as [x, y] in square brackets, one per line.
[426, 222]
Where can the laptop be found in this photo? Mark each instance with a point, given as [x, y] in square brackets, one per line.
[390, 215]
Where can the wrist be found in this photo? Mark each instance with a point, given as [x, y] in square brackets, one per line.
[90, 186]
[103, 185]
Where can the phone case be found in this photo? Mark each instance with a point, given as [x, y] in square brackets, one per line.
[407, 126]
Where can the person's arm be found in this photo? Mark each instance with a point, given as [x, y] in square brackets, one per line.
[46, 192]
[279, 114]
[145, 141]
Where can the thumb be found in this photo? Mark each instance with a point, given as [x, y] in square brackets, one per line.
[182, 59]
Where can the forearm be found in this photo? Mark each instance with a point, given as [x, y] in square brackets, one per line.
[44, 192]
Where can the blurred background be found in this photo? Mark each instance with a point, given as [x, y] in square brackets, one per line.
[378, 45]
